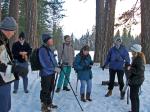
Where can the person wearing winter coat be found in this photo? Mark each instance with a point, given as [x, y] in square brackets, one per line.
[7, 30]
[21, 51]
[65, 58]
[117, 57]
[82, 65]
[136, 76]
[47, 73]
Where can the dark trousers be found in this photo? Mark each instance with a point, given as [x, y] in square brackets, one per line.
[112, 74]
[134, 97]
[47, 86]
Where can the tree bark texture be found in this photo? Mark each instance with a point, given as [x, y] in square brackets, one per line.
[31, 22]
[145, 28]
[0, 10]
[99, 29]
[109, 19]
[105, 18]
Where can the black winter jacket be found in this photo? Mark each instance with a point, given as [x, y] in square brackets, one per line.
[17, 47]
[136, 73]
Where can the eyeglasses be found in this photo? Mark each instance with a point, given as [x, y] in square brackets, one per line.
[119, 40]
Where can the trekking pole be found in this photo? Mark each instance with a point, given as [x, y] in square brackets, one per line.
[52, 96]
[128, 95]
[77, 85]
[72, 90]
[140, 91]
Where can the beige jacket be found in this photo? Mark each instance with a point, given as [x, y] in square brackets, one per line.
[66, 54]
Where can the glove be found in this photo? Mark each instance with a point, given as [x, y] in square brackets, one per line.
[127, 64]
[3, 67]
[59, 63]
[57, 70]
[90, 66]
[103, 67]
[91, 63]
[87, 67]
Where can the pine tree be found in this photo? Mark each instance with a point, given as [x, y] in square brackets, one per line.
[5, 9]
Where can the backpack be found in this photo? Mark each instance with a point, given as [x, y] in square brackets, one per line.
[34, 60]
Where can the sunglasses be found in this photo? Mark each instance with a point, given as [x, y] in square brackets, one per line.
[118, 40]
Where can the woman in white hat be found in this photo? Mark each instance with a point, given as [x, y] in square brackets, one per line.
[136, 76]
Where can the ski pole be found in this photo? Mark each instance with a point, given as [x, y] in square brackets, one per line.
[52, 96]
[77, 85]
[128, 95]
[140, 91]
[72, 90]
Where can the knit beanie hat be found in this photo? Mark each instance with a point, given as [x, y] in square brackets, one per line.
[9, 23]
[136, 48]
[22, 35]
[46, 37]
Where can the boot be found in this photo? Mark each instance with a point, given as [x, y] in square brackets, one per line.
[109, 93]
[122, 94]
[88, 97]
[57, 90]
[15, 91]
[45, 108]
[53, 106]
[66, 88]
[83, 98]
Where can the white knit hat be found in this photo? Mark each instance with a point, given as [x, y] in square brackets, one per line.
[136, 48]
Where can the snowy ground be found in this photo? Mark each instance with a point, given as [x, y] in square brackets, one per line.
[66, 101]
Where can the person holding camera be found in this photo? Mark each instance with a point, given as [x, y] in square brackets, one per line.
[65, 58]
[21, 51]
[117, 57]
[82, 65]
[7, 29]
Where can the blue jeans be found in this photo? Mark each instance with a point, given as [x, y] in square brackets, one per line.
[25, 83]
[25, 79]
[5, 98]
[83, 84]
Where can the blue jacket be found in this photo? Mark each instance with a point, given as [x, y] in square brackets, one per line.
[116, 58]
[47, 61]
[82, 67]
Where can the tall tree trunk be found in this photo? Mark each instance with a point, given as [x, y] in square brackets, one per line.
[105, 18]
[14, 12]
[111, 17]
[31, 22]
[0, 10]
[145, 28]
[104, 37]
[99, 29]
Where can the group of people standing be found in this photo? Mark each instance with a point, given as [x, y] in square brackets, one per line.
[117, 59]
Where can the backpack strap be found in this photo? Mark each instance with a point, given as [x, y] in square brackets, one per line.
[62, 51]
